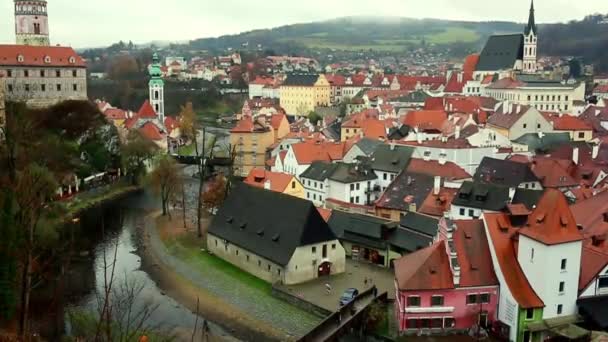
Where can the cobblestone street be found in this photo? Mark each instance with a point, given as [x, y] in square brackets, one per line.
[355, 275]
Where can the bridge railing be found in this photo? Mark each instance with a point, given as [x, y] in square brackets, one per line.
[333, 321]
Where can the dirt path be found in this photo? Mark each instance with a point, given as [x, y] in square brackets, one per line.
[182, 290]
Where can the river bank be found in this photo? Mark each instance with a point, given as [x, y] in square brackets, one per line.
[165, 271]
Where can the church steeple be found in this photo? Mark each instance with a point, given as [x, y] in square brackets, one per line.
[31, 22]
[531, 22]
[157, 88]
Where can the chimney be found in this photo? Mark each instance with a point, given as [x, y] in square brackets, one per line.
[419, 137]
[267, 184]
[392, 146]
[595, 151]
[575, 155]
[459, 77]
[457, 134]
[437, 185]
[442, 159]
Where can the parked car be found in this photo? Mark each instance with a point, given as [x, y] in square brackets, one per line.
[348, 296]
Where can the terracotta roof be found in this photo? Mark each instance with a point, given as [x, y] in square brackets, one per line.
[309, 151]
[553, 173]
[473, 254]
[508, 119]
[60, 56]
[437, 205]
[171, 123]
[276, 120]
[506, 83]
[470, 64]
[449, 170]
[589, 214]
[501, 235]
[325, 213]
[568, 123]
[115, 114]
[278, 181]
[146, 111]
[456, 82]
[150, 131]
[426, 120]
[426, 269]
[247, 125]
[593, 262]
[552, 221]
[374, 129]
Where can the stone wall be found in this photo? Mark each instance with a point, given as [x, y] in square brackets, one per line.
[45, 86]
[285, 295]
[2, 102]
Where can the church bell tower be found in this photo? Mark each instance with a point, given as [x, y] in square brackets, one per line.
[530, 43]
[31, 23]
[157, 88]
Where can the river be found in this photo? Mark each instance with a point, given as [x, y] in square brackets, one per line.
[169, 316]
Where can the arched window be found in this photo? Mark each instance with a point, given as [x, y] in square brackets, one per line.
[156, 95]
[36, 28]
[156, 106]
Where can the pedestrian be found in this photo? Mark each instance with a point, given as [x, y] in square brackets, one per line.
[365, 281]
[328, 288]
[375, 291]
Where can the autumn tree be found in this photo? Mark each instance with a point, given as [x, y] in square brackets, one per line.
[215, 194]
[187, 124]
[165, 181]
[136, 153]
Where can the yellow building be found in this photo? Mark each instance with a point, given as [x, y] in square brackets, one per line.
[250, 138]
[301, 93]
[275, 181]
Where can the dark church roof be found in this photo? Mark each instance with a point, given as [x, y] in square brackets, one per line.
[269, 224]
[501, 52]
[301, 80]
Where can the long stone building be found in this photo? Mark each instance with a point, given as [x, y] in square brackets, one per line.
[35, 72]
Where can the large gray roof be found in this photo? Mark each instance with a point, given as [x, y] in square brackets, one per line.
[339, 172]
[504, 172]
[302, 80]
[391, 158]
[501, 52]
[269, 224]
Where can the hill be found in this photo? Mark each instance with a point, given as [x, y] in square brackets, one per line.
[587, 38]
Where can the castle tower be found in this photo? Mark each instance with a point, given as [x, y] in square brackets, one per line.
[530, 43]
[157, 86]
[31, 23]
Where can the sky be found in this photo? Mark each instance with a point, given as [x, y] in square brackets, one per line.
[97, 23]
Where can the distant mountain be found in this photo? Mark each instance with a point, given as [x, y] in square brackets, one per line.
[587, 38]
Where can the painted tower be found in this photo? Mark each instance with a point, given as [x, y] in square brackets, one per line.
[31, 22]
[530, 43]
[157, 86]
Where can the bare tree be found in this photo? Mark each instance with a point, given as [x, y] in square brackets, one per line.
[165, 181]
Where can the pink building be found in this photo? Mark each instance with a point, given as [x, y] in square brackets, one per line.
[450, 285]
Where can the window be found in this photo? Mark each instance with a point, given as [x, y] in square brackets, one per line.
[525, 125]
[314, 197]
[436, 323]
[26, 73]
[462, 211]
[268, 267]
[472, 299]
[58, 87]
[413, 301]
[352, 187]
[236, 252]
[527, 336]
[57, 73]
[385, 176]
[75, 87]
[529, 314]
[324, 252]
[352, 200]
[278, 271]
[564, 264]
[449, 322]
[247, 256]
[357, 200]
[216, 242]
[437, 301]
[43, 87]
[538, 126]
[484, 298]
[581, 135]
[358, 186]
[560, 309]
[411, 323]
[562, 286]
[9, 73]
[333, 246]
[602, 283]
[75, 74]
[307, 194]
[259, 263]
[41, 73]
[471, 213]
[27, 87]
[293, 184]
[532, 255]
[314, 250]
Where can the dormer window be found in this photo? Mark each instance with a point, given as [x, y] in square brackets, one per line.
[72, 60]
[20, 58]
[47, 59]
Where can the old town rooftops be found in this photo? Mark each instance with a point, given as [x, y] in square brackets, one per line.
[40, 56]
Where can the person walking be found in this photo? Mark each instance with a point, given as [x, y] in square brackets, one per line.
[328, 288]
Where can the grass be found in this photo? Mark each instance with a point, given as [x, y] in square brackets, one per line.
[186, 150]
[453, 35]
[187, 249]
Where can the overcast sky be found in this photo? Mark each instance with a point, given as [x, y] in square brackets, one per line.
[101, 22]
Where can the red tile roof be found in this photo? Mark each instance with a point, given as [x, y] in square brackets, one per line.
[506, 83]
[593, 261]
[449, 170]
[150, 131]
[470, 64]
[437, 205]
[456, 82]
[60, 56]
[552, 221]
[589, 214]
[171, 124]
[501, 235]
[426, 120]
[507, 120]
[309, 151]
[146, 111]
[278, 181]
[473, 254]
[601, 89]
[325, 213]
[277, 119]
[115, 114]
[568, 123]
[426, 269]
